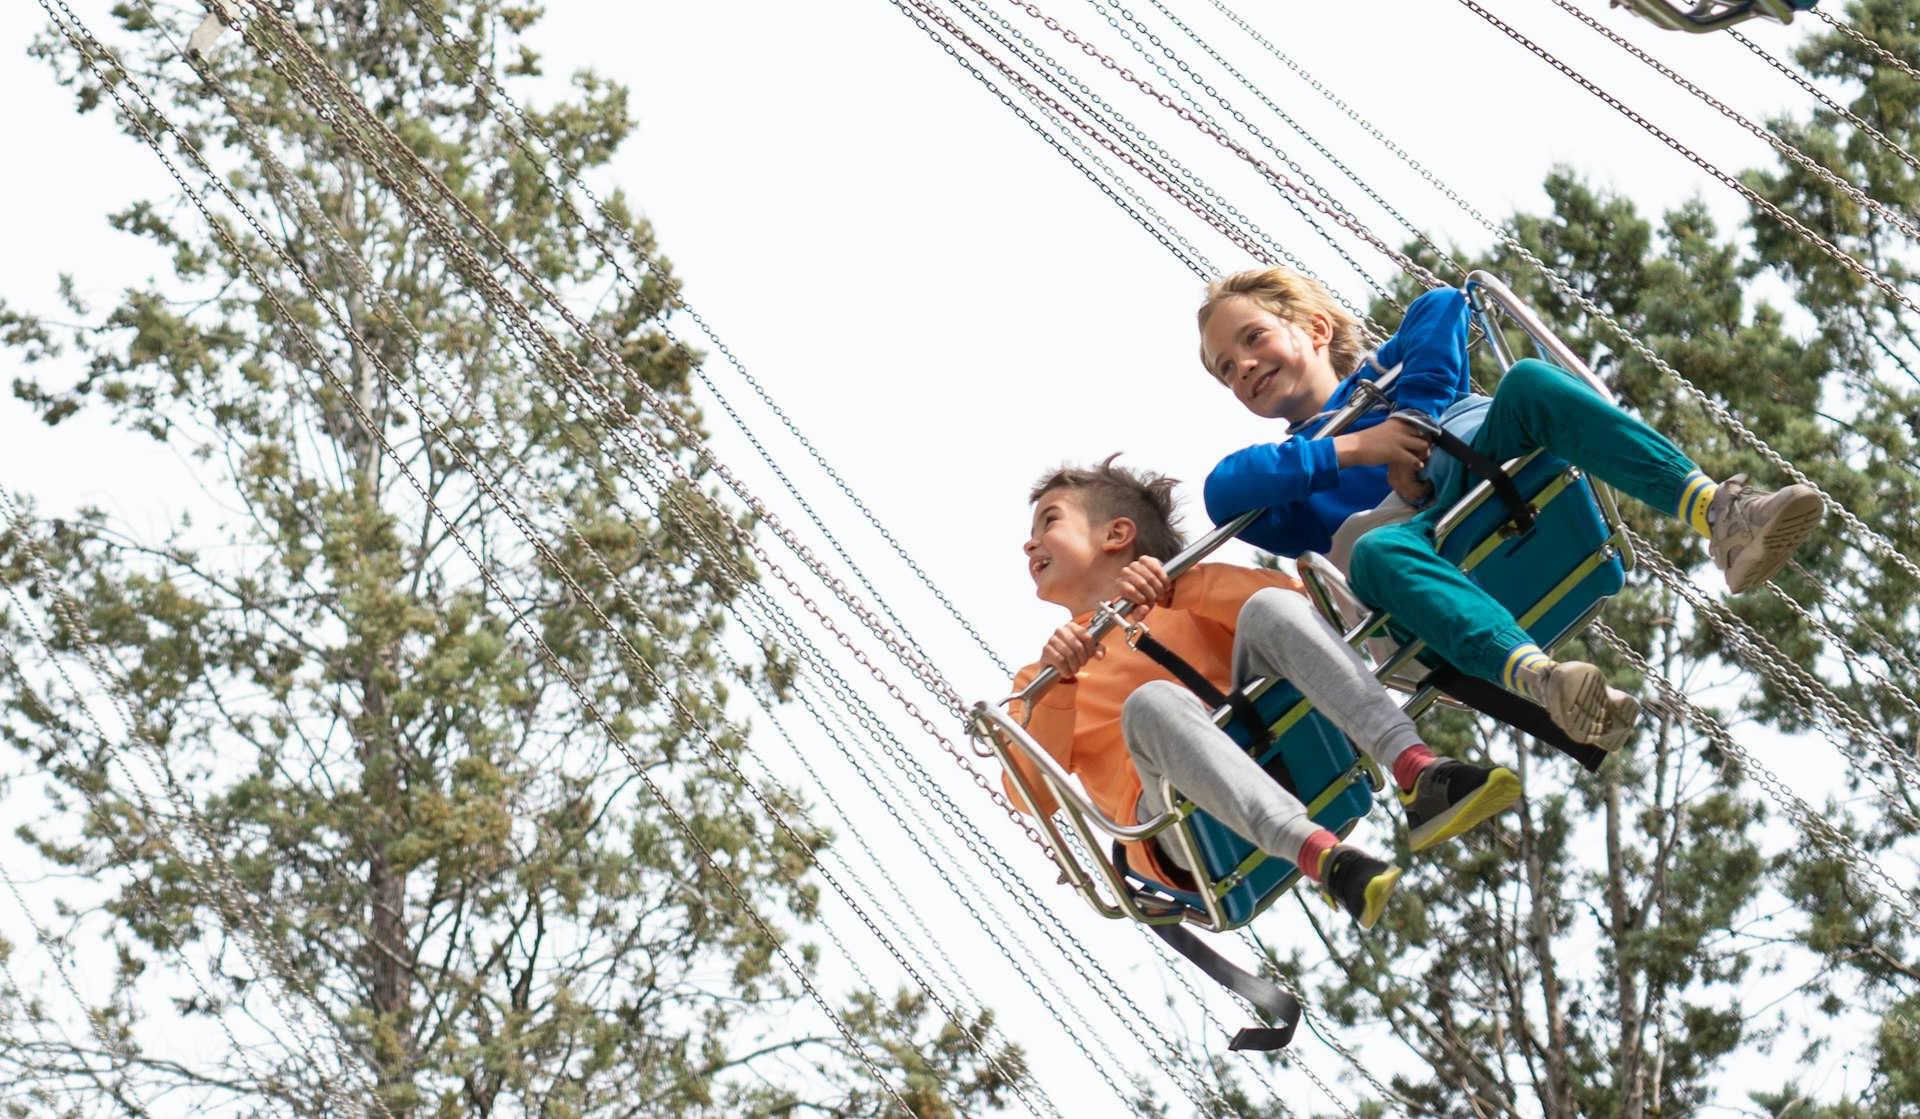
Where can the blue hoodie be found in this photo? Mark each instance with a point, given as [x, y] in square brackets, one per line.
[1299, 482]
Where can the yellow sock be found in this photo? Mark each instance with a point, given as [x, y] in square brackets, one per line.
[1696, 497]
[1525, 667]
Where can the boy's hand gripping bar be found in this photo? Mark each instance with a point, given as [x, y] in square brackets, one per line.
[1367, 395]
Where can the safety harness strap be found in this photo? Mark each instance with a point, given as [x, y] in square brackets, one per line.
[1276, 1005]
[1258, 734]
[1519, 510]
[1520, 713]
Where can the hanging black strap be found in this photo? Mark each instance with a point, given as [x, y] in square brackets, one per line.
[1520, 713]
[1519, 510]
[1258, 733]
[1276, 1005]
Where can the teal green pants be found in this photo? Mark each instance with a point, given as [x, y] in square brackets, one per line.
[1536, 406]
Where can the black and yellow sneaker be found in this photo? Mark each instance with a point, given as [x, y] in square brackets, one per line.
[1451, 796]
[1358, 883]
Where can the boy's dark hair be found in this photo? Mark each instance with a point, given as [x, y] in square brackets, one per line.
[1112, 492]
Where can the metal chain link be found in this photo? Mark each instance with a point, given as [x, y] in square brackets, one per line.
[1100, 110]
[1802, 81]
[1806, 692]
[1307, 135]
[1839, 255]
[1193, 103]
[1874, 48]
[1786, 149]
[1815, 826]
[1352, 225]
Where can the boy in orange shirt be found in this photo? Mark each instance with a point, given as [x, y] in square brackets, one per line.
[1120, 722]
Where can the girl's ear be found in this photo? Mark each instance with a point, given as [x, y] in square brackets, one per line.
[1320, 329]
[1120, 535]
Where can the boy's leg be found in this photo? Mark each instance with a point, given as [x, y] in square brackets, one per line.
[1398, 570]
[1752, 533]
[1279, 633]
[1171, 735]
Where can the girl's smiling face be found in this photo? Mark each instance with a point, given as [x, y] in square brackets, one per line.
[1276, 368]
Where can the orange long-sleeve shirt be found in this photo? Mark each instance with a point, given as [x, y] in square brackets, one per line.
[1079, 721]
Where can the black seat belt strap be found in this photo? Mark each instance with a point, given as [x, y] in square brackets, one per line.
[1258, 734]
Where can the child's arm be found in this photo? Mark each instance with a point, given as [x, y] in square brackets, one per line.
[1431, 349]
[1217, 591]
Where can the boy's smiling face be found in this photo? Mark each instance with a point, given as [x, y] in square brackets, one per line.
[1276, 368]
[1073, 561]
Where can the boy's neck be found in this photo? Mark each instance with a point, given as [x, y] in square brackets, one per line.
[1109, 590]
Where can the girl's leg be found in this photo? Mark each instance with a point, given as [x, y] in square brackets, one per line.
[1396, 569]
[1751, 533]
[1537, 405]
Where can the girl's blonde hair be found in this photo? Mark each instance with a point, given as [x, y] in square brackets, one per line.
[1295, 298]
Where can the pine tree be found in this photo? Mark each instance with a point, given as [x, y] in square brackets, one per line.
[367, 685]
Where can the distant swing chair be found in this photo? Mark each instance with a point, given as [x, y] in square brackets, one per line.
[1713, 15]
[1543, 538]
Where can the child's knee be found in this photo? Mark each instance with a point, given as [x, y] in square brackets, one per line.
[1274, 606]
[1379, 561]
[1535, 382]
[1151, 703]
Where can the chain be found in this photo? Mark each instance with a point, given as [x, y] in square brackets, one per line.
[1307, 135]
[1093, 105]
[1840, 256]
[1887, 686]
[1800, 80]
[1164, 182]
[1345, 221]
[1878, 51]
[1806, 691]
[1186, 98]
[1893, 653]
[1815, 826]
[1788, 150]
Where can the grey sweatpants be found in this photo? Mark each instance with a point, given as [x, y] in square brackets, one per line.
[1171, 734]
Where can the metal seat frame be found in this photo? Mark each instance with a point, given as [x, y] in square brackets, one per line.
[1710, 15]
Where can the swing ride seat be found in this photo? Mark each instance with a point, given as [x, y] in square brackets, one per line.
[1553, 577]
[1310, 758]
[1713, 15]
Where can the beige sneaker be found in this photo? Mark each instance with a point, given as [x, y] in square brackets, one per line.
[1623, 714]
[1578, 700]
[1754, 533]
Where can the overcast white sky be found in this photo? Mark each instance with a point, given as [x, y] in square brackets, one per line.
[945, 306]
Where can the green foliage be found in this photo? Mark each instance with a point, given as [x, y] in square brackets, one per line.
[401, 787]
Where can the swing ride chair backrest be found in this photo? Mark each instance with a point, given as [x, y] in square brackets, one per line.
[1713, 15]
[1554, 577]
